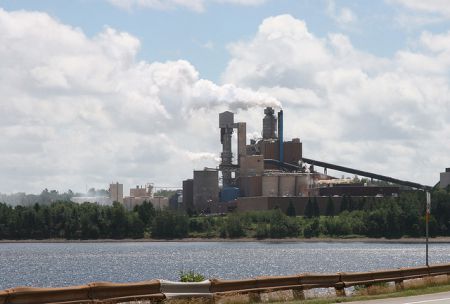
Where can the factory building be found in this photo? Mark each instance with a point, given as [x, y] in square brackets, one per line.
[248, 174]
[445, 178]
[160, 202]
[205, 190]
[116, 192]
[271, 172]
[176, 200]
[188, 195]
[141, 191]
[139, 195]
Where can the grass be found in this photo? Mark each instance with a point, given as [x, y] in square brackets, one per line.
[378, 291]
[382, 292]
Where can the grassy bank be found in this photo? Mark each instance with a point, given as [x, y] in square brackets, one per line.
[417, 287]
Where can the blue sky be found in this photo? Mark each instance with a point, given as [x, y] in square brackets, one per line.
[130, 90]
[202, 37]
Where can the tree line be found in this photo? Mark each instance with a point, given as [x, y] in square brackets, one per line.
[389, 217]
[68, 220]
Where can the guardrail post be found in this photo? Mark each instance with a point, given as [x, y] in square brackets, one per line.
[340, 289]
[156, 301]
[298, 294]
[399, 285]
[254, 297]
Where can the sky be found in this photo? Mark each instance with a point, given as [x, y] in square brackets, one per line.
[99, 91]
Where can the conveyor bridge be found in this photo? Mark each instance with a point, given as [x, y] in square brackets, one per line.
[325, 165]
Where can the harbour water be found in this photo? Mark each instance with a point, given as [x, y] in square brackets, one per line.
[64, 264]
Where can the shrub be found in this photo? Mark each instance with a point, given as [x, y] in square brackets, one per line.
[191, 276]
[261, 231]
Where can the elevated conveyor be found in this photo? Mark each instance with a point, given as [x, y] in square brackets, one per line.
[292, 167]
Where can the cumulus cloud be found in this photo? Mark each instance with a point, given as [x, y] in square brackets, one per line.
[195, 5]
[342, 16]
[79, 110]
[419, 13]
[439, 7]
[387, 115]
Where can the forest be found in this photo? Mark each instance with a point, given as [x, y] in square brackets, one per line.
[389, 217]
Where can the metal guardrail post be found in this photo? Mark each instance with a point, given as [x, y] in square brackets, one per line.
[340, 291]
[399, 285]
[298, 294]
[255, 297]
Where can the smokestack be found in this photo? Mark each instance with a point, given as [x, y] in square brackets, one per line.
[280, 136]
[269, 124]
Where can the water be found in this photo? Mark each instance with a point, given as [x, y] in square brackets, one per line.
[64, 264]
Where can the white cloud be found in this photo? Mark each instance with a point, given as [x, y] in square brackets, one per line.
[439, 7]
[419, 13]
[77, 110]
[208, 45]
[386, 115]
[342, 16]
[412, 21]
[243, 2]
[194, 5]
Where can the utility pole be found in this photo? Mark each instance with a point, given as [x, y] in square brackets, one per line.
[426, 222]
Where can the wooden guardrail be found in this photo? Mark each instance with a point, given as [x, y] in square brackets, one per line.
[159, 290]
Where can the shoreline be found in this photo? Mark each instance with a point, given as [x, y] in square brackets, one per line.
[437, 240]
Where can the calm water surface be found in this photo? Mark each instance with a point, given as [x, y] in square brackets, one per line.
[62, 264]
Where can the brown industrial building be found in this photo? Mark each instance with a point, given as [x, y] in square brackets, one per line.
[205, 190]
[271, 172]
[359, 190]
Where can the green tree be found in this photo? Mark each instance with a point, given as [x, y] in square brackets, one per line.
[168, 224]
[309, 210]
[118, 221]
[330, 207]
[234, 226]
[281, 226]
[135, 226]
[315, 207]
[344, 203]
[290, 211]
[146, 213]
[261, 231]
[312, 229]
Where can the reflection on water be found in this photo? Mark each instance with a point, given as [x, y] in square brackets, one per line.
[59, 264]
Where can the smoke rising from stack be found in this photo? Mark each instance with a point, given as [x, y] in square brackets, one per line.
[208, 95]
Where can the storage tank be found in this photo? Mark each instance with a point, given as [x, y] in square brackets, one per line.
[270, 185]
[287, 185]
[251, 186]
[303, 182]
